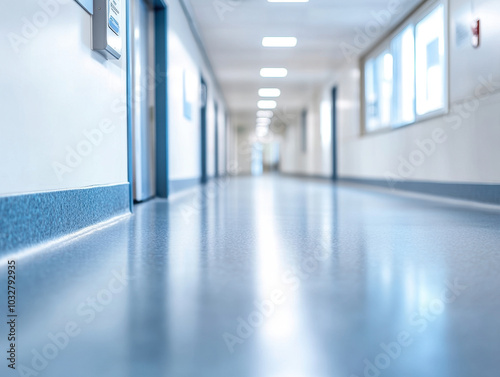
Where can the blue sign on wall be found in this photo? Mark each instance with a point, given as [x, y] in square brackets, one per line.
[113, 24]
[186, 105]
[114, 16]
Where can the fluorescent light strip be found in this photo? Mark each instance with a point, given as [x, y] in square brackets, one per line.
[267, 104]
[274, 72]
[279, 42]
[269, 92]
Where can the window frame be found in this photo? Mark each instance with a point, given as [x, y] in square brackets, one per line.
[396, 124]
[421, 12]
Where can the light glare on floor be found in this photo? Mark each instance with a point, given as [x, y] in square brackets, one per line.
[269, 92]
[273, 72]
[279, 42]
[267, 104]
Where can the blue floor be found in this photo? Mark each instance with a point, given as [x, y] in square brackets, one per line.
[267, 277]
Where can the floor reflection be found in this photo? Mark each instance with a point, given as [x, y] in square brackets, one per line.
[270, 277]
[147, 312]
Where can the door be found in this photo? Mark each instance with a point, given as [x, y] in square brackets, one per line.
[216, 147]
[334, 134]
[203, 125]
[143, 100]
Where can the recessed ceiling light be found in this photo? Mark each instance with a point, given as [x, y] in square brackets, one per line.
[273, 72]
[265, 114]
[279, 42]
[267, 104]
[269, 92]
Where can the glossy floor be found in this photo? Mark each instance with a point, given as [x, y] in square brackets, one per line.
[267, 277]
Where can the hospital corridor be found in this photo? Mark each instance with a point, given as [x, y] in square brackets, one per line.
[250, 188]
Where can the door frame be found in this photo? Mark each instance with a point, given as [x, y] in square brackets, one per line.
[216, 141]
[334, 134]
[203, 130]
[161, 98]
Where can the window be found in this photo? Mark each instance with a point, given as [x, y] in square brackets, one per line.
[384, 75]
[379, 83]
[371, 95]
[405, 77]
[430, 62]
[403, 48]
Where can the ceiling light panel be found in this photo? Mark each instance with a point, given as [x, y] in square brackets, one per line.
[279, 42]
[269, 92]
[267, 104]
[274, 72]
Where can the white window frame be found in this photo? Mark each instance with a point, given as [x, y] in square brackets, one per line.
[385, 44]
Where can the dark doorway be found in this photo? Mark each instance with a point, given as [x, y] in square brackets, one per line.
[147, 99]
[334, 134]
[216, 143]
[203, 125]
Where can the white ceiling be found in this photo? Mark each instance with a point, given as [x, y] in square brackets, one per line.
[233, 44]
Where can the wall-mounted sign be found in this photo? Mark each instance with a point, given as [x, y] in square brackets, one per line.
[106, 27]
[114, 15]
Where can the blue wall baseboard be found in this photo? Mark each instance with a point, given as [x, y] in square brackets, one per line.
[307, 176]
[26, 220]
[178, 185]
[482, 193]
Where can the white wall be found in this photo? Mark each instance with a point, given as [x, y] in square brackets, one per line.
[467, 150]
[53, 88]
[184, 134]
